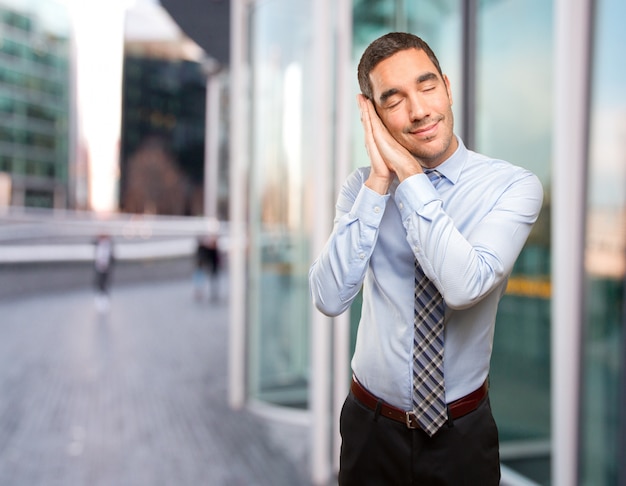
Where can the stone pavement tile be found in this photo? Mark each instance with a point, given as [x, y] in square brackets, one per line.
[137, 396]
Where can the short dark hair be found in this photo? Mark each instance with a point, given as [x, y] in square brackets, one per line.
[384, 47]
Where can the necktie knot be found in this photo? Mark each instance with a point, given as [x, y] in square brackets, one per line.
[434, 176]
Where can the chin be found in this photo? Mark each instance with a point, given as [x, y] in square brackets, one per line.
[429, 155]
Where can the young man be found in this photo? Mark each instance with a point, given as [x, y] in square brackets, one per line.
[428, 218]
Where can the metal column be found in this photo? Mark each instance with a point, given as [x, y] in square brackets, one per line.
[571, 91]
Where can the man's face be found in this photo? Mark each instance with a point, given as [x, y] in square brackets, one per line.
[415, 104]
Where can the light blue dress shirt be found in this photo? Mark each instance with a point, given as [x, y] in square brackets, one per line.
[466, 234]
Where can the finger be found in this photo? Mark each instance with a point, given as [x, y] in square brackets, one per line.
[375, 131]
[366, 121]
[376, 123]
[363, 108]
[367, 127]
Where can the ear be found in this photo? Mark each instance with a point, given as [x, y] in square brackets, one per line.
[448, 89]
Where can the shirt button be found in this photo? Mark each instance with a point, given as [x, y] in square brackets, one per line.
[401, 206]
[361, 256]
[376, 209]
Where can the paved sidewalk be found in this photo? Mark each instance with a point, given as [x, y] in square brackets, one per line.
[134, 397]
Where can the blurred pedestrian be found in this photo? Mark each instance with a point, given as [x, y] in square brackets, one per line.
[103, 266]
[207, 267]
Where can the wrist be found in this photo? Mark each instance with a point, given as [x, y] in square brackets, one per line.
[377, 184]
[408, 171]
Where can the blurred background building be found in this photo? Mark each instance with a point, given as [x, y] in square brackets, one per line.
[35, 94]
[164, 120]
[255, 121]
[163, 128]
[51, 157]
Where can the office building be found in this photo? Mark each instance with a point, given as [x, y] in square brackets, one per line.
[35, 92]
[164, 123]
[163, 128]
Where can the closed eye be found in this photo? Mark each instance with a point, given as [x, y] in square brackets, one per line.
[393, 103]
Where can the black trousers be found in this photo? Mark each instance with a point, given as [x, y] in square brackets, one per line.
[377, 451]
[103, 279]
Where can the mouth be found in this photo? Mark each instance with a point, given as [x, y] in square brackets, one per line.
[425, 132]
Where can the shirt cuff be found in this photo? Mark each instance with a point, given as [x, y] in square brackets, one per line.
[369, 206]
[414, 194]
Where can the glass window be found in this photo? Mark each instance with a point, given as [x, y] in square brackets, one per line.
[5, 164]
[513, 121]
[371, 19]
[16, 20]
[282, 154]
[36, 90]
[604, 348]
[39, 199]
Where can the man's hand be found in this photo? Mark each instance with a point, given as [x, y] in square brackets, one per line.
[380, 176]
[387, 156]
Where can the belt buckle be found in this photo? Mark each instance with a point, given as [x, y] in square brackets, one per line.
[411, 420]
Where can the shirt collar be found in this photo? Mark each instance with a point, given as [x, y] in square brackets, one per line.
[452, 167]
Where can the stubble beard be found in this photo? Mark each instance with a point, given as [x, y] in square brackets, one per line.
[424, 156]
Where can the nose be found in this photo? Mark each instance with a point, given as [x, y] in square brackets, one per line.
[418, 109]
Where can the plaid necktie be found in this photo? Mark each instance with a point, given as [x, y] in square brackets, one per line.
[429, 402]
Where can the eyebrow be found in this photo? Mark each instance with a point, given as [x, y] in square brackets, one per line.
[426, 77]
[422, 78]
[386, 95]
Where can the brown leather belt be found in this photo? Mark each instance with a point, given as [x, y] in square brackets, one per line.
[456, 409]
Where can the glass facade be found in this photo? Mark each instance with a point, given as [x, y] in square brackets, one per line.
[513, 121]
[282, 156]
[34, 101]
[511, 112]
[603, 410]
